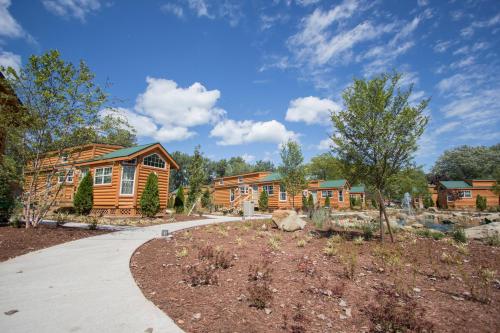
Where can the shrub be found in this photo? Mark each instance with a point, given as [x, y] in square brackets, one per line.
[301, 243]
[304, 203]
[480, 202]
[320, 217]
[83, 200]
[459, 235]
[91, 222]
[15, 221]
[359, 240]
[206, 252]
[493, 239]
[7, 200]
[182, 253]
[206, 199]
[327, 202]
[199, 275]
[367, 231]
[263, 201]
[310, 204]
[179, 200]
[259, 278]
[275, 243]
[222, 259]
[150, 198]
[170, 203]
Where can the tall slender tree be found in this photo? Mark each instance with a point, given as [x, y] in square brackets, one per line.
[292, 169]
[196, 178]
[377, 131]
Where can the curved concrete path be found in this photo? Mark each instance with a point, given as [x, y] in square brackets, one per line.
[84, 286]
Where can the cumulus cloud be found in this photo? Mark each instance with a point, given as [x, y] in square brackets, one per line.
[231, 132]
[248, 158]
[325, 144]
[311, 110]
[173, 8]
[8, 24]
[78, 9]
[9, 59]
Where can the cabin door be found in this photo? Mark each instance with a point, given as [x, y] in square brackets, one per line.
[255, 192]
[315, 196]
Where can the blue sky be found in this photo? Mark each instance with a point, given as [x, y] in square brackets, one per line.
[239, 77]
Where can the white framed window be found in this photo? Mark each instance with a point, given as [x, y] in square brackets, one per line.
[240, 179]
[465, 194]
[128, 178]
[231, 195]
[221, 181]
[103, 175]
[154, 160]
[244, 189]
[65, 174]
[282, 193]
[327, 193]
[341, 195]
[269, 189]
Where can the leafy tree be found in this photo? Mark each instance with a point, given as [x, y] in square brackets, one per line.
[60, 104]
[304, 203]
[179, 200]
[150, 198]
[428, 202]
[481, 202]
[324, 166]
[468, 162]
[196, 177]
[237, 166]
[310, 205]
[410, 180]
[115, 130]
[206, 199]
[83, 200]
[7, 199]
[496, 176]
[377, 132]
[292, 169]
[263, 201]
[263, 166]
[327, 202]
[179, 177]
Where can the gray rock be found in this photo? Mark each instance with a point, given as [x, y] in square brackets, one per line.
[288, 220]
[483, 231]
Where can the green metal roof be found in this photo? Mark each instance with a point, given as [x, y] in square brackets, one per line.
[124, 152]
[271, 177]
[357, 189]
[332, 183]
[455, 184]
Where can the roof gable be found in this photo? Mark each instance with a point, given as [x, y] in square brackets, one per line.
[333, 183]
[275, 176]
[357, 189]
[454, 184]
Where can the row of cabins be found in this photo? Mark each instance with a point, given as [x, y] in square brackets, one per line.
[462, 194]
[232, 191]
[119, 175]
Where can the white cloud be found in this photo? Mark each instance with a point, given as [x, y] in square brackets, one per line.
[416, 96]
[8, 24]
[170, 105]
[422, 3]
[200, 7]
[457, 81]
[268, 21]
[480, 106]
[305, 3]
[442, 46]
[447, 127]
[78, 9]
[469, 31]
[9, 59]
[173, 8]
[325, 144]
[248, 158]
[311, 110]
[231, 132]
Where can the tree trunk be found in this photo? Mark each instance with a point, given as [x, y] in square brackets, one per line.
[381, 225]
[382, 209]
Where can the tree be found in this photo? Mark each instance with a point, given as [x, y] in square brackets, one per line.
[304, 203]
[206, 199]
[466, 162]
[377, 131]
[428, 202]
[150, 198]
[324, 166]
[115, 130]
[261, 165]
[481, 202]
[237, 166]
[409, 180]
[310, 205]
[61, 105]
[263, 201]
[292, 169]
[179, 177]
[196, 178]
[83, 200]
[170, 202]
[179, 200]
[327, 202]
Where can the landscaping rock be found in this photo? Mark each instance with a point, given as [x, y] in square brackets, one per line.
[288, 220]
[483, 231]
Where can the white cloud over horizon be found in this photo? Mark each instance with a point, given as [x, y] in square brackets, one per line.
[78, 9]
[311, 110]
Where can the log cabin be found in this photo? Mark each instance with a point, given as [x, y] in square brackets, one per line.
[358, 192]
[119, 175]
[232, 191]
[462, 194]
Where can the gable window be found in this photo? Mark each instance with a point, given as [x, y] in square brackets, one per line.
[341, 195]
[282, 193]
[240, 179]
[231, 195]
[269, 189]
[221, 182]
[65, 176]
[64, 157]
[128, 177]
[327, 193]
[154, 161]
[103, 175]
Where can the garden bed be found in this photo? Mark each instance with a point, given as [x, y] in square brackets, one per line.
[17, 241]
[305, 282]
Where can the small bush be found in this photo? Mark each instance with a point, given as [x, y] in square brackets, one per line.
[459, 235]
[260, 272]
[259, 294]
[199, 275]
[15, 221]
[301, 243]
[349, 261]
[83, 200]
[367, 229]
[320, 217]
[91, 222]
[222, 259]
[150, 198]
[206, 253]
[327, 202]
[182, 253]
[275, 243]
[306, 266]
[359, 240]
[481, 202]
[304, 204]
[263, 201]
[493, 239]
[179, 201]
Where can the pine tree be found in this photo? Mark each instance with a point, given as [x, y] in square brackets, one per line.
[83, 200]
[150, 198]
[206, 200]
[263, 201]
[304, 203]
[327, 202]
[179, 200]
[310, 202]
[480, 202]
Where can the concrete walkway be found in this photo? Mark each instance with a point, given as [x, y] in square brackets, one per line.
[84, 286]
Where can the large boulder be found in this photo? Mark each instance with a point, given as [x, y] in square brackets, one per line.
[287, 220]
[483, 231]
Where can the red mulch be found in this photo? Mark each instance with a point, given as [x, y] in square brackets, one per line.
[307, 285]
[17, 241]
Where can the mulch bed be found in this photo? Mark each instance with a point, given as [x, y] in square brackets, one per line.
[417, 284]
[17, 241]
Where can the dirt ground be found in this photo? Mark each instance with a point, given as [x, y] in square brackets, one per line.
[312, 282]
[17, 241]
